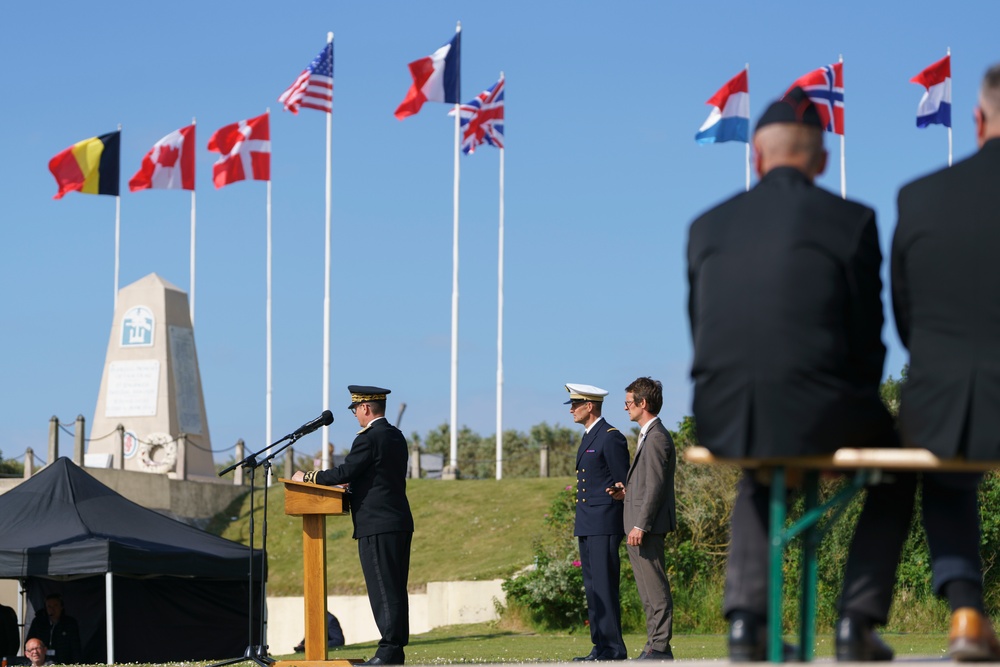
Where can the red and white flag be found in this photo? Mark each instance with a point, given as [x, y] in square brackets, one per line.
[246, 151]
[169, 165]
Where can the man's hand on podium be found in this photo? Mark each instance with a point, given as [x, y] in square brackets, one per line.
[299, 476]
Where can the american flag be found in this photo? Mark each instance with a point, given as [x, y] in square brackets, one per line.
[314, 87]
[482, 119]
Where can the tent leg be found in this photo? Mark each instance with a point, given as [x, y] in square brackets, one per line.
[22, 611]
[109, 611]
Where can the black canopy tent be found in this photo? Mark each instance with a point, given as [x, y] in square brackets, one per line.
[175, 592]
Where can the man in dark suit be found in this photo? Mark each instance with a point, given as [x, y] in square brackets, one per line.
[648, 494]
[59, 632]
[601, 461]
[786, 319]
[375, 469]
[945, 282]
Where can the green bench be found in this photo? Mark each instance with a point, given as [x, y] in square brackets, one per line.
[867, 466]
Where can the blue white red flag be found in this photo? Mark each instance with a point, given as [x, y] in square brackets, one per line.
[825, 87]
[313, 89]
[935, 105]
[730, 116]
[436, 78]
[482, 119]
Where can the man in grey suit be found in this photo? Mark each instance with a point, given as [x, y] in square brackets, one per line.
[649, 515]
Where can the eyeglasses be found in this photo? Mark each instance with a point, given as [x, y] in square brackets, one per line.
[33, 649]
[576, 404]
[629, 404]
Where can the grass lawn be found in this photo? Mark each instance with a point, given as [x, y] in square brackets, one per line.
[485, 642]
[465, 530]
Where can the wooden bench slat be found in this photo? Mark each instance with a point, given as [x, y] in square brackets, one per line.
[851, 458]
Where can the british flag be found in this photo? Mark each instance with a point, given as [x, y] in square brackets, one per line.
[313, 89]
[482, 119]
[825, 87]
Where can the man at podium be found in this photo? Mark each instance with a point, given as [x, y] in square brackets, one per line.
[375, 473]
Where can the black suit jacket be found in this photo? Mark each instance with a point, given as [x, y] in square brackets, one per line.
[601, 460]
[946, 298]
[786, 319]
[376, 471]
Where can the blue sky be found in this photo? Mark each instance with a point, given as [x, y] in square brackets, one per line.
[602, 179]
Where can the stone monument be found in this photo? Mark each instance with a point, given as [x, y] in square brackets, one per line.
[152, 387]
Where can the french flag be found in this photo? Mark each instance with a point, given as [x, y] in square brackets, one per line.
[436, 78]
[730, 116]
[935, 105]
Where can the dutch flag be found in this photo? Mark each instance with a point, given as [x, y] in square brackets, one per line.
[935, 105]
[730, 116]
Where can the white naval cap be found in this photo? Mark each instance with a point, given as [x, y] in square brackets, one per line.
[585, 392]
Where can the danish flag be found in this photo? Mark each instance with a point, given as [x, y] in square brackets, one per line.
[246, 151]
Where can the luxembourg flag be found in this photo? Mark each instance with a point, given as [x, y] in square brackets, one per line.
[935, 105]
[436, 78]
[730, 116]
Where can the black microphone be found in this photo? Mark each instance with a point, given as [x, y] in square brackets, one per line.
[324, 419]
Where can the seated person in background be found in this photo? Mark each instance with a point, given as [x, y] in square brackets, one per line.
[334, 635]
[35, 651]
[10, 637]
[58, 631]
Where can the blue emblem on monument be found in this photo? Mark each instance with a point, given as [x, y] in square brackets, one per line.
[137, 327]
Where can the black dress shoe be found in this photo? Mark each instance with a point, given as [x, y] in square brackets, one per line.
[589, 657]
[748, 639]
[653, 654]
[858, 642]
[379, 661]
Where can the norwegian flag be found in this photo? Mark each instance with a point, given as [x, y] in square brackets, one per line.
[482, 119]
[169, 164]
[314, 87]
[825, 87]
[246, 151]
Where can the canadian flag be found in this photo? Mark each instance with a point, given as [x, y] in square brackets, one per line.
[246, 151]
[169, 165]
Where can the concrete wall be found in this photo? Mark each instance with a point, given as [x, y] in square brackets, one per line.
[444, 603]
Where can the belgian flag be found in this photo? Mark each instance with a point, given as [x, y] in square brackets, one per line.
[89, 166]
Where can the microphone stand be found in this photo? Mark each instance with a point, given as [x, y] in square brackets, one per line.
[258, 653]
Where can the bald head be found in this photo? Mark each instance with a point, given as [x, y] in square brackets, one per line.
[988, 113]
[790, 145]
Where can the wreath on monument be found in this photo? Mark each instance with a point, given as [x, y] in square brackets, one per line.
[158, 453]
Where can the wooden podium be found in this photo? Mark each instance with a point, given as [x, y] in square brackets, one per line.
[314, 503]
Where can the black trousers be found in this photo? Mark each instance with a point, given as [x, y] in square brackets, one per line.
[385, 562]
[601, 565]
[874, 554]
[950, 510]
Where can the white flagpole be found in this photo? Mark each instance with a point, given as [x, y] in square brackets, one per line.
[191, 301]
[325, 456]
[748, 129]
[118, 236]
[843, 166]
[500, 326]
[118, 222]
[267, 402]
[949, 123]
[454, 294]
